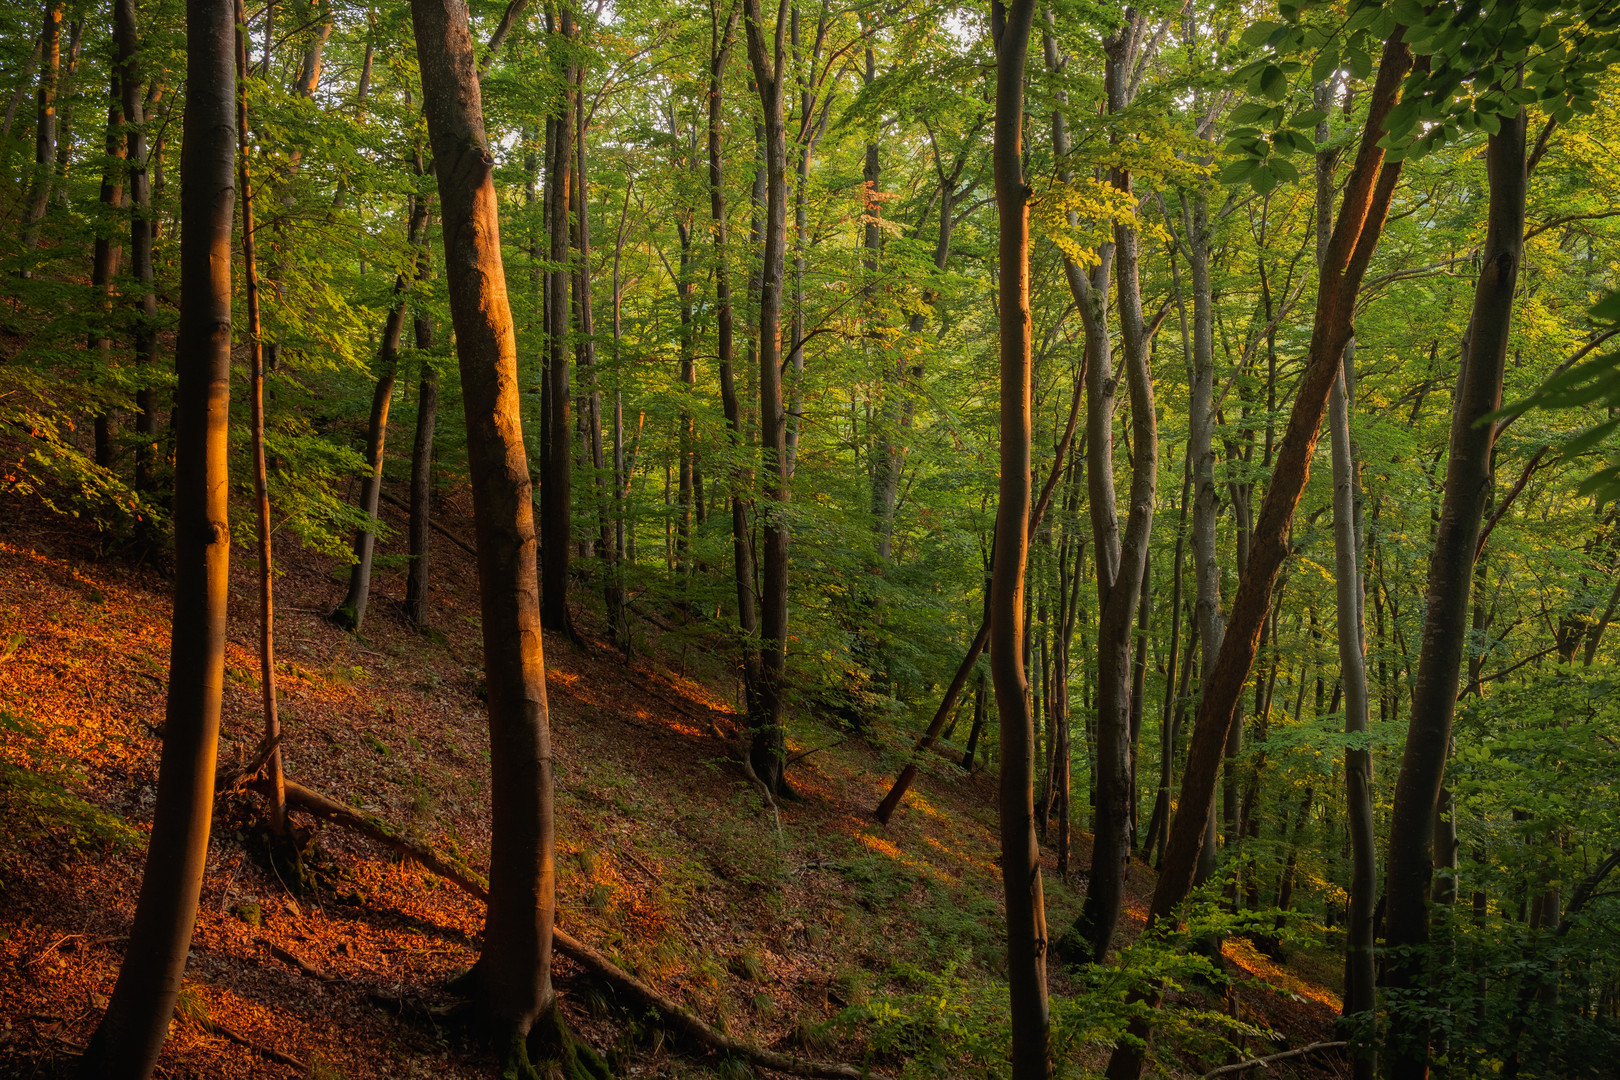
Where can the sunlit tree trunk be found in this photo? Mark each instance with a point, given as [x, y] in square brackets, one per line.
[131, 1033]
[39, 188]
[1020, 854]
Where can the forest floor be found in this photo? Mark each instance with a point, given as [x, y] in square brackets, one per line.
[667, 860]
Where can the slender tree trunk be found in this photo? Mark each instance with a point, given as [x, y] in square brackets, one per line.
[1368, 191]
[131, 1033]
[418, 575]
[767, 748]
[585, 348]
[1360, 945]
[1160, 817]
[1020, 854]
[721, 37]
[24, 80]
[977, 728]
[261, 490]
[126, 38]
[64, 124]
[511, 982]
[39, 189]
[556, 518]
[351, 614]
[109, 254]
[1445, 622]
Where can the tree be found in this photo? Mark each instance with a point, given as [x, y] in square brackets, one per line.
[511, 982]
[1020, 853]
[131, 1033]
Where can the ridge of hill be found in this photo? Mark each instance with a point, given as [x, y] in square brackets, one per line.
[797, 933]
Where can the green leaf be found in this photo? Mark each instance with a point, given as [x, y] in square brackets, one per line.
[1273, 83]
[1258, 33]
[1264, 180]
[1326, 63]
[1239, 171]
[1308, 119]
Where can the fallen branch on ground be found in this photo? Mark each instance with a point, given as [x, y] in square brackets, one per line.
[1264, 1062]
[292, 961]
[434, 525]
[459, 873]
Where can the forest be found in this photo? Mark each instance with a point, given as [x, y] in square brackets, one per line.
[836, 538]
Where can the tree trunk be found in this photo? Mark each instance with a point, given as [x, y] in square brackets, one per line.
[427, 415]
[741, 478]
[766, 752]
[109, 254]
[1445, 622]
[351, 614]
[131, 1033]
[1020, 854]
[276, 783]
[511, 982]
[1360, 959]
[1368, 191]
[556, 516]
[126, 38]
[585, 350]
[39, 188]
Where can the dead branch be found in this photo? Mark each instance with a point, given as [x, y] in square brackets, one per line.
[292, 961]
[434, 525]
[457, 872]
[1265, 1062]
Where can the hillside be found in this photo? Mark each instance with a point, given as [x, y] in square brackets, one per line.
[668, 861]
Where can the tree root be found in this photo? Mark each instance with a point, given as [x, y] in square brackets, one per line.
[459, 873]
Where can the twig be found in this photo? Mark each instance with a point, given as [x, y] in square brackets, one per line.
[1264, 1062]
[813, 750]
[292, 961]
[214, 1027]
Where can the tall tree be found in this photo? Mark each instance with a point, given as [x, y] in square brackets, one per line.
[1445, 619]
[1368, 191]
[39, 188]
[556, 485]
[767, 748]
[126, 38]
[511, 982]
[131, 1033]
[1020, 853]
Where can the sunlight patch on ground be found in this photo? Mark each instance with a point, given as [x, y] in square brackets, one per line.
[1256, 963]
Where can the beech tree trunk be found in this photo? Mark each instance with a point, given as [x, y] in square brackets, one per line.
[1445, 622]
[1368, 191]
[351, 614]
[126, 39]
[39, 188]
[1360, 957]
[556, 509]
[131, 1033]
[721, 36]
[109, 253]
[767, 748]
[276, 782]
[511, 982]
[1020, 853]
[427, 417]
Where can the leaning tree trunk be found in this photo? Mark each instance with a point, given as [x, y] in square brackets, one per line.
[277, 787]
[1445, 621]
[127, 1042]
[1020, 853]
[767, 749]
[511, 982]
[1368, 192]
[351, 614]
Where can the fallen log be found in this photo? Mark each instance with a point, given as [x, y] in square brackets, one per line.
[457, 872]
[1265, 1062]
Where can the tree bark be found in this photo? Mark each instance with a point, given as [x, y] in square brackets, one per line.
[1445, 622]
[131, 1033]
[766, 751]
[276, 789]
[351, 614]
[126, 39]
[556, 510]
[1368, 191]
[421, 505]
[1020, 854]
[109, 254]
[39, 188]
[511, 981]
